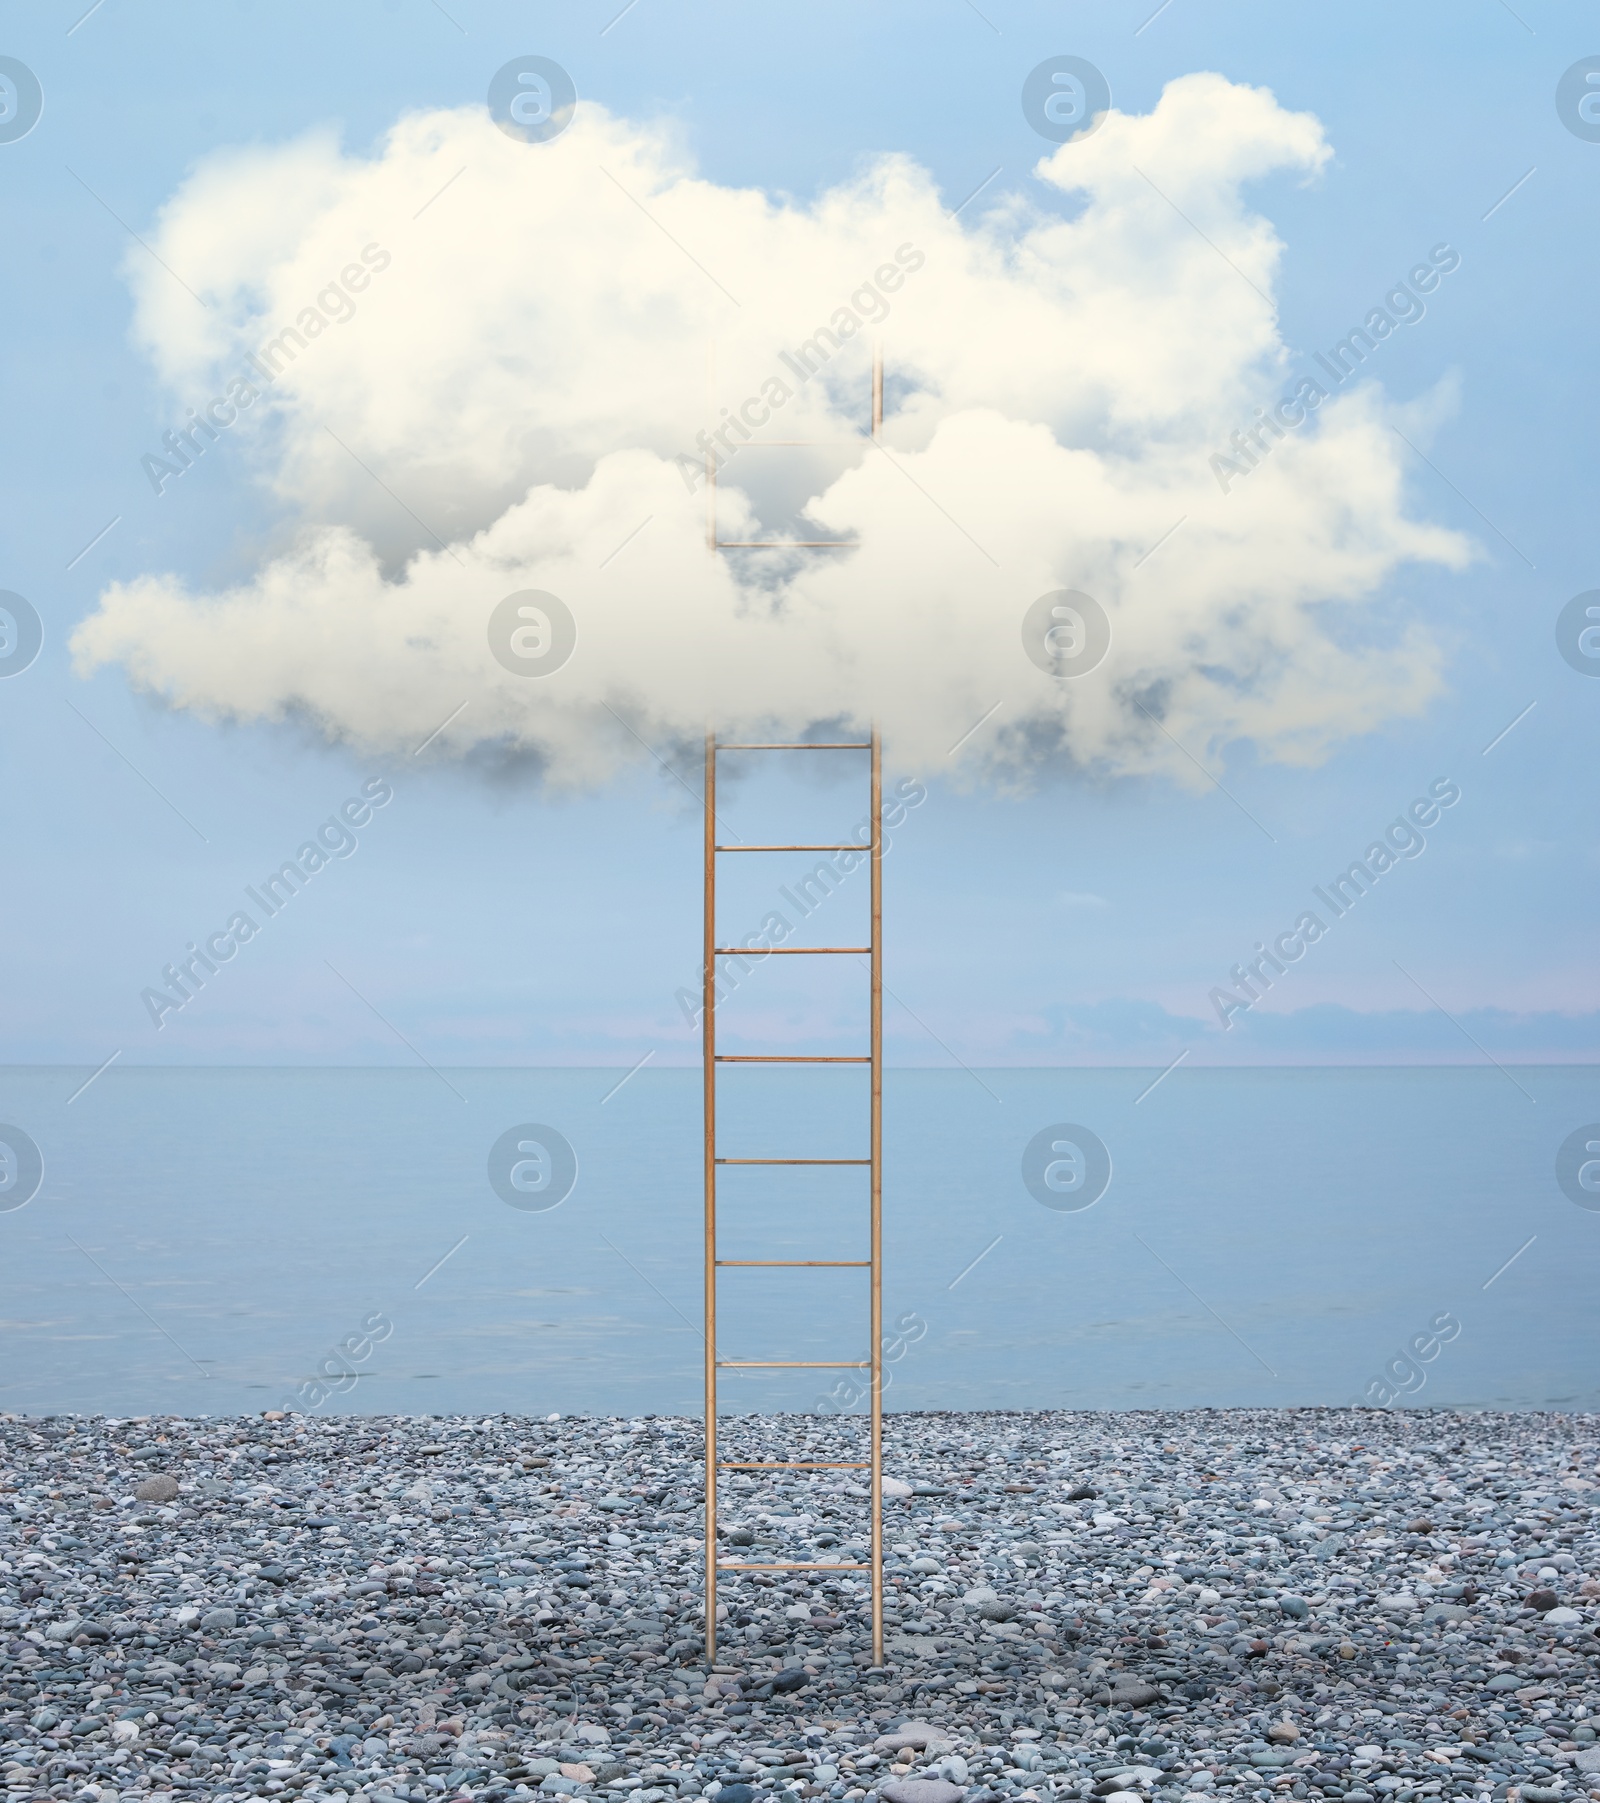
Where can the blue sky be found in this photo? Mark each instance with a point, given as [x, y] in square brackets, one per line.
[1084, 920]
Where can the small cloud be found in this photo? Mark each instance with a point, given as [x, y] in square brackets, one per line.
[1080, 898]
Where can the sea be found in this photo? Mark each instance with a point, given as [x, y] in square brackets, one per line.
[448, 1241]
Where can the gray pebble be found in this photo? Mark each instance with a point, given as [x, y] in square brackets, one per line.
[920, 1790]
[909, 1734]
[1132, 1694]
[1077, 1604]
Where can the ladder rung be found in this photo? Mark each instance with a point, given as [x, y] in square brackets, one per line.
[795, 1464]
[806, 444]
[856, 847]
[847, 1264]
[794, 1161]
[811, 1565]
[784, 1058]
[794, 1364]
[844, 745]
[787, 951]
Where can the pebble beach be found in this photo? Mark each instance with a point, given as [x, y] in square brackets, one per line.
[1345, 1604]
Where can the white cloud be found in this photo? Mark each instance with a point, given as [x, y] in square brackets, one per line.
[522, 384]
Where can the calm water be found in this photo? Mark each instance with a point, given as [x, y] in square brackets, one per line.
[204, 1239]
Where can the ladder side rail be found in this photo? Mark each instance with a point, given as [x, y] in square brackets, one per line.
[708, 1031]
[876, 1153]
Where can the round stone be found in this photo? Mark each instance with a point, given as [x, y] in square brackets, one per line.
[920, 1790]
[158, 1489]
[1133, 1694]
[909, 1734]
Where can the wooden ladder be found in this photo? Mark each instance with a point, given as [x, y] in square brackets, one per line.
[873, 1163]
